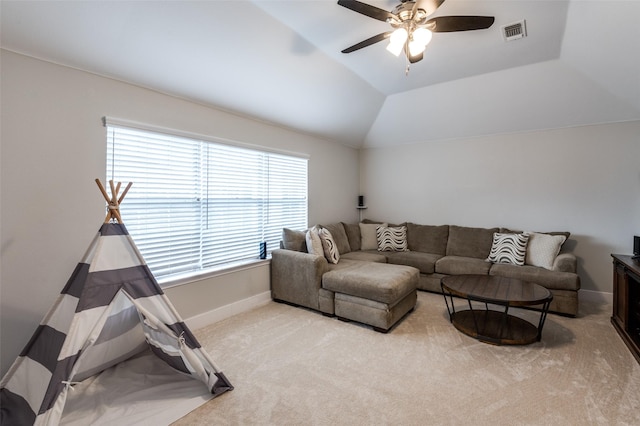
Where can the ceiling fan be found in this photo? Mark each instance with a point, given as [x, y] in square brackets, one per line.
[411, 30]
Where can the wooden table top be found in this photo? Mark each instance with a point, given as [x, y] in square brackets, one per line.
[494, 289]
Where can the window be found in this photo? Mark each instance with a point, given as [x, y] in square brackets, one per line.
[197, 204]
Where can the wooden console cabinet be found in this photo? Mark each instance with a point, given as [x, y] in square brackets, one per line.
[626, 301]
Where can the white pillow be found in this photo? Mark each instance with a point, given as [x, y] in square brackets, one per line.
[543, 249]
[314, 244]
[329, 246]
[368, 235]
[392, 238]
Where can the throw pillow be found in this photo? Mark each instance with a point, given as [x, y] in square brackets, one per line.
[353, 235]
[392, 238]
[368, 235]
[508, 248]
[294, 240]
[329, 246]
[339, 236]
[543, 249]
[314, 244]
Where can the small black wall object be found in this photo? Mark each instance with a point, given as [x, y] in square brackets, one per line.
[360, 200]
[636, 246]
[263, 250]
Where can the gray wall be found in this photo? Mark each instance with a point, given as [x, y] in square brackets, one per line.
[585, 180]
[53, 147]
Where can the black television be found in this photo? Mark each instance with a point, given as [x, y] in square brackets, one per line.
[636, 247]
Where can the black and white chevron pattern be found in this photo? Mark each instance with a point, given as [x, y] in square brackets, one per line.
[508, 248]
[392, 238]
[329, 245]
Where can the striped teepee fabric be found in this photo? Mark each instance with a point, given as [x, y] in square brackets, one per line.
[110, 309]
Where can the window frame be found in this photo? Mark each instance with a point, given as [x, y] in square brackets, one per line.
[177, 278]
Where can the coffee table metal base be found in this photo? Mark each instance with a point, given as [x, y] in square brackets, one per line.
[495, 327]
[491, 325]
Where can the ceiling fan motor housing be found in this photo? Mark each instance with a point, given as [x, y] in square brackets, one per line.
[406, 11]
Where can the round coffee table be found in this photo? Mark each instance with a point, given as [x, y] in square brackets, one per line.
[496, 326]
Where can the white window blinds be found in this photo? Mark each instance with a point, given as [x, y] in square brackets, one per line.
[197, 204]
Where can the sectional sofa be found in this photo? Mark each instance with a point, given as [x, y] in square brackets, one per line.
[432, 251]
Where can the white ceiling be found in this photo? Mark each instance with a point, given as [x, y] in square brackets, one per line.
[280, 61]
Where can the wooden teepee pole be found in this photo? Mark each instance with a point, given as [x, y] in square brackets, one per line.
[113, 202]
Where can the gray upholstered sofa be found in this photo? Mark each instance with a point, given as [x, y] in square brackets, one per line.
[436, 251]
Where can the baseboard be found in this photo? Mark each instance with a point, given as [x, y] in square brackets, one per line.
[207, 318]
[599, 297]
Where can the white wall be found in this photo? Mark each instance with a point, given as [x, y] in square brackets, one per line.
[53, 147]
[585, 180]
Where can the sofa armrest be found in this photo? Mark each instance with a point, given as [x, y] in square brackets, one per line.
[296, 277]
[565, 262]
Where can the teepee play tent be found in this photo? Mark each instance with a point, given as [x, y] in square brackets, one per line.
[111, 319]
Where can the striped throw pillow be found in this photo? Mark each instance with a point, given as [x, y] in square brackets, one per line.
[508, 248]
[392, 238]
[329, 245]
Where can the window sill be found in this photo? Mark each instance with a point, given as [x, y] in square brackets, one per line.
[228, 268]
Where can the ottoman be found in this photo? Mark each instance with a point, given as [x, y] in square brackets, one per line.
[376, 294]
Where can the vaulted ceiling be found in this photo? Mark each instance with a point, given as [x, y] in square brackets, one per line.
[280, 61]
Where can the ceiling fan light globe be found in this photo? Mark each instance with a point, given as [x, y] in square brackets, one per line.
[395, 48]
[397, 40]
[399, 36]
[422, 36]
[416, 48]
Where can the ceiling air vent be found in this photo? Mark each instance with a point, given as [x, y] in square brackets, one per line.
[514, 31]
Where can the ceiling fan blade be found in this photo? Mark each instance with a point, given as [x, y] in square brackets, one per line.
[368, 42]
[366, 9]
[447, 24]
[429, 6]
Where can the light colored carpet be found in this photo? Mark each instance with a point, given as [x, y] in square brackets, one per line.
[292, 366]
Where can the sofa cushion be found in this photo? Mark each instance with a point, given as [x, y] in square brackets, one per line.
[508, 248]
[470, 242]
[329, 245]
[314, 243]
[424, 262]
[367, 256]
[549, 279]
[458, 265]
[543, 249]
[427, 238]
[353, 235]
[368, 234]
[374, 281]
[339, 236]
[344, 263]
[392, 238]
[294, 240]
